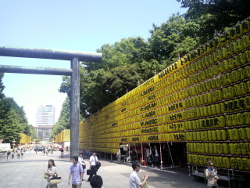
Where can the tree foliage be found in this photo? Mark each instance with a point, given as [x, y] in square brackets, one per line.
[215, 14]
[175, 36]
[134, 60]
[1, 86]
[64, 119]
[11, 128]
[13, 119]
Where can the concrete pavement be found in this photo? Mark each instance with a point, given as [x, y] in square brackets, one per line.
[28, 173]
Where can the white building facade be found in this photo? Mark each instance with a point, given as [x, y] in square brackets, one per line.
[45, 119]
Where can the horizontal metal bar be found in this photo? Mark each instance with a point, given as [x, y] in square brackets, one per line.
[50, 54]
[35, 70]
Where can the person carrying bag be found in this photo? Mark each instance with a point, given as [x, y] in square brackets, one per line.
[52, 175]
[81, 162]
[211, 175]
[93, 165]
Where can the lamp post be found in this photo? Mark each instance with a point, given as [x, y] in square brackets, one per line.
[13, 143]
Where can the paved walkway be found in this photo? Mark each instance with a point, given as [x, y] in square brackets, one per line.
[28, 173]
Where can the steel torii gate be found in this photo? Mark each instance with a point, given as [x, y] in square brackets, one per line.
[74, 57]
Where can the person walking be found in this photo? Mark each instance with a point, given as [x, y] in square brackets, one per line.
[148, 156]
[13, 154]
[134, 180]
[17, 154]
[92, 163]
[21, 153]
[52, 172]
[8, 154]
[211, 175]
[76, 172]
[61, 152]
[82, 163]
[156, 157]
[118, 154]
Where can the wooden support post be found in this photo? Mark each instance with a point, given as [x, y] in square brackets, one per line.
[142, 160]
[161, 157]
[129, 156]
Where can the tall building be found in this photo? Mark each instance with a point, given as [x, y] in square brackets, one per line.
[45, 119]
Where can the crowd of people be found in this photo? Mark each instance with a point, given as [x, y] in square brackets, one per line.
[19, 153]
[135, 182]
[76, 172]
[79, 167]
[15, 152]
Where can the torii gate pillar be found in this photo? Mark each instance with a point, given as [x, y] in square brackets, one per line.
[74, 108]
[74, 72]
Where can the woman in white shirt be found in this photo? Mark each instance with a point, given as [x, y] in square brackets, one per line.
[52, 172]
[81, 162]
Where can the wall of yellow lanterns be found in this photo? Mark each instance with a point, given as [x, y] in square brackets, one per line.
[202, 99]
[63, 136]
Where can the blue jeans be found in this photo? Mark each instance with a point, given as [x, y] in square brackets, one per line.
[157, 160]
[148, 160]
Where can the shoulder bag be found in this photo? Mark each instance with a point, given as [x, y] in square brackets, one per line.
[98, 164]
[55, 180]
[145, 185]
[46, 175]
[90, 172]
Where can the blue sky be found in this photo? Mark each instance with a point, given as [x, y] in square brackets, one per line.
[68, 25]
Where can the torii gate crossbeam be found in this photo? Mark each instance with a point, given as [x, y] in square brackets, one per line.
[74, 72]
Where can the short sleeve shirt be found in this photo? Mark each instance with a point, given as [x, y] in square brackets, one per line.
[51, 171]
[93, 160]
[80, 161]
[134, 180]
[75, 171]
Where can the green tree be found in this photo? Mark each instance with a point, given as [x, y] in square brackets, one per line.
[63, 120]
[215, 14]
[33, 133]
[126, 52]
[13, 121]
[131, 60]
[10, 127]
[65, 85]
[175, 36]
[1, 86]
[119, 61]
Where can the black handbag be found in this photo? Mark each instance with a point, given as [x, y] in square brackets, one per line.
[90, 172]
[98, 164]
[84, 166]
